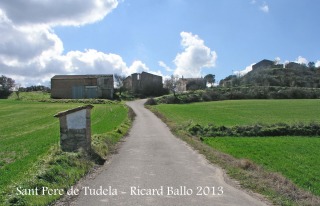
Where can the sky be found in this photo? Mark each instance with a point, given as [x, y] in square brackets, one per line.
[40, 39]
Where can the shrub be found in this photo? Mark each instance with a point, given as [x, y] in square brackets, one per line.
[195, 129]
[151, 101]
[234, 93]
[206, 97]
[257, 130]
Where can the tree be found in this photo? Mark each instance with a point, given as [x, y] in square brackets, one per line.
[311, 65]
[119, 81]
[210, 78]
[172, 84]
[6, 86]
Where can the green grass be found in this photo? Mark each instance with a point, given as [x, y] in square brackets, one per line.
[294, 157]
[243, 112]
[30, 96]
[297, 158]
[29, 131]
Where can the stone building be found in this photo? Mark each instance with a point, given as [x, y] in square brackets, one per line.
[82, 86]
[186, 84]
[144, 83]
[266, 64]
[263, 64]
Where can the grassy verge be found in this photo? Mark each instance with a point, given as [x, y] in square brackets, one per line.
[30, 156]
[254, 162]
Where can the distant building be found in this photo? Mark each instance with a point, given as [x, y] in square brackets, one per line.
[144, 84]
[263, 64]
[186, 84]
[82, 86]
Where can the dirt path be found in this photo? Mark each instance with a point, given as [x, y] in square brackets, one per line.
[155, 168]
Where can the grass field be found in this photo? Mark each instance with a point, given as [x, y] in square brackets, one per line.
[297, 158]
[243, 112]
[29, 130]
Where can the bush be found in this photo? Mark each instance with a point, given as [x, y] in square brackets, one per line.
[257, 130]
[206, 97]
[150, 101]
[234, 93]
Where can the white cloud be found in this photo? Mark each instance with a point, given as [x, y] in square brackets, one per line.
[23, 44]
[245, 71]
[301, 60]
[74, 62]
[264, 7]
[317, 64]
[163, 65]
[57, 12]
[277, 60]
[30, 51]
[136, 67]
[195, 57]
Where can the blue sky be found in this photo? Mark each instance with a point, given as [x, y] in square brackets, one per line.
[182, 37]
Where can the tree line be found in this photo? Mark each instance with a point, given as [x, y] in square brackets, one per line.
[9, 85]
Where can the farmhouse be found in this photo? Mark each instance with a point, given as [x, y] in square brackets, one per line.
[144, 83]
[82, 86]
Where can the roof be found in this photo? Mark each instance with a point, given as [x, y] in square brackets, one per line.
[64, 113]
[88, 76]
[151, 74]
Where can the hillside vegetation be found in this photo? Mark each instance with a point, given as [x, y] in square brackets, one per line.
[268, 73]
[266, 80]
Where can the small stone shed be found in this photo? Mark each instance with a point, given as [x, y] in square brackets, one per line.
[82, 86]
[75, 129]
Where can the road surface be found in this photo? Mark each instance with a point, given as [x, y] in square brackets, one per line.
[155, 168]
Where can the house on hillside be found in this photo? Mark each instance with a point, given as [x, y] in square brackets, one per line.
[82, 86]
[265, 64]
[144, 83]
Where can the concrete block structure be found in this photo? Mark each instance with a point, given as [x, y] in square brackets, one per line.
[75, 129]
[82, 86]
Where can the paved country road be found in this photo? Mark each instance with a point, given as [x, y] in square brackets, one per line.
[155, 168]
